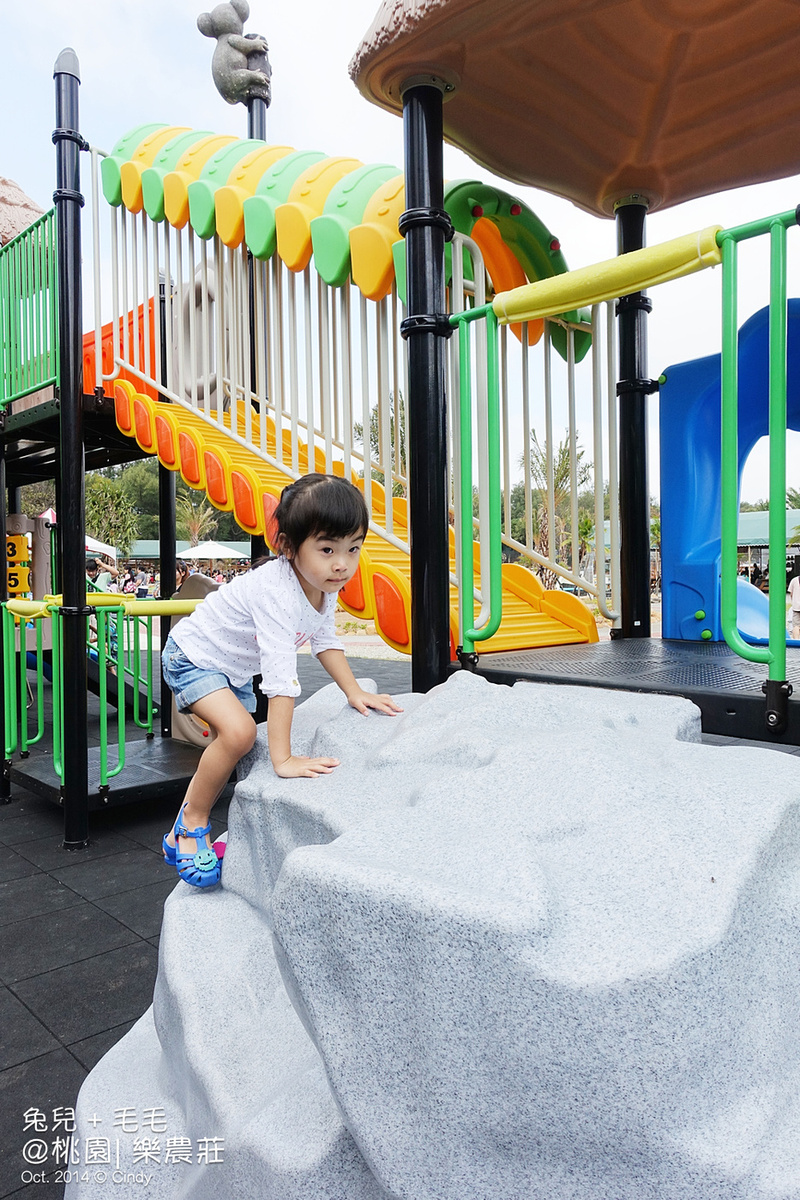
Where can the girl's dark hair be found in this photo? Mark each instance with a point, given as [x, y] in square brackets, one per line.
[320, 506]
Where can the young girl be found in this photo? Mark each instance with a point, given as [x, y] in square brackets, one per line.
[255, 624]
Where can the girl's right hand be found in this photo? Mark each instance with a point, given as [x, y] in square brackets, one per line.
[297, 767]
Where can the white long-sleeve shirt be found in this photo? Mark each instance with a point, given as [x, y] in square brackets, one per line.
[255, 624]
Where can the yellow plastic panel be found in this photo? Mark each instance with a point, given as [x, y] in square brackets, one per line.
[607, 280]
[143, 157]
[242, 183]
[306, 201]
[176, 183]
[371, 262]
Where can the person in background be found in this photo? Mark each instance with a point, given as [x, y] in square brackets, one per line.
[100, 573]
[794, 596]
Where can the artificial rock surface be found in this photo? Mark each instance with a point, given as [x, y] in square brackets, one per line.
[523, 942]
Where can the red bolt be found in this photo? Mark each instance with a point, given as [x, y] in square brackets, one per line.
[516, 209]
[555, 245]
[477, 210]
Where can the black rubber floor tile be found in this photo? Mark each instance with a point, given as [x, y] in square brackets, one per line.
[28, 819]
[89, 1051]
[23, 1035]
[32, 896]
[56, 939]
[147, 831]
[113, 873]
[14, 865]
[49, 854]
[142, 910]
[48, 1083]
[49, 1189]
[99, 993]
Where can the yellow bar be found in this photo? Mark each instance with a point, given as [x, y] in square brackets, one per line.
[138, 608]
[30, 609]
[607, 280]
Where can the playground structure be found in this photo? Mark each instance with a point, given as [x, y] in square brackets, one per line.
[217, 310]
[302, 349]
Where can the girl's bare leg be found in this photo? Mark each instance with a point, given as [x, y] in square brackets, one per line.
[235, 733]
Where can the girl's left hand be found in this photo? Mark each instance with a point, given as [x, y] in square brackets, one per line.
[361, 701]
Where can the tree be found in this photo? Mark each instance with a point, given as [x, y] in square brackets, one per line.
[538, 460]
[139, 481]
[195, 518]
[110, 517]
[37, 497]
[793, 497]
[399, 461]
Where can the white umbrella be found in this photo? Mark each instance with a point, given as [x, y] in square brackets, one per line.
[92, 544]
[210, 550]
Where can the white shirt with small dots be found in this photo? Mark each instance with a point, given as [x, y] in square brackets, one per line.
[255, 624]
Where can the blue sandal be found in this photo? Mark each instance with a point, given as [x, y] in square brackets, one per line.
[169, 851]
[201, 869]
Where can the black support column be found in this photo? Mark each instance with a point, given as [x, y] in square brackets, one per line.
[633, 389]
[426, 227]
[71, 519]
[167, 481]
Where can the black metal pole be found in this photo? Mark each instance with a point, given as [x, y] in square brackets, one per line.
[166, 524]
[426, 226]
[69, 201]
[256, 128]
[5, 775]
[633, 389]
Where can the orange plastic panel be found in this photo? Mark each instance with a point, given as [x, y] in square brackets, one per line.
[190, 460]
[143, 424]
[123, 402]
[269, 504]
[216, 484]
[244, 501]
[504, 268]
[389, 604]
[353, 593]
[165, 442]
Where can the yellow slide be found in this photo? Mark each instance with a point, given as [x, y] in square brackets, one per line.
[238, 481]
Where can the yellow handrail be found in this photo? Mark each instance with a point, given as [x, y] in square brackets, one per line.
[607, 280]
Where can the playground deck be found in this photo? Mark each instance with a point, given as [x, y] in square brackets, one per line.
[725, 687]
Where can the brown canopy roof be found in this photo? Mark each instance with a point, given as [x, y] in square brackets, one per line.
[597, 99]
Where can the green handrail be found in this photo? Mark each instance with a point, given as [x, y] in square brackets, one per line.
[114, 633]
[774, 654]
[468, 634]
[9, 682]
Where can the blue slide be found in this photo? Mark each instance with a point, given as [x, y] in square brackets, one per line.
[690, 479]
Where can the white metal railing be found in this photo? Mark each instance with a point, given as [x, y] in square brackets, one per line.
[278, 359]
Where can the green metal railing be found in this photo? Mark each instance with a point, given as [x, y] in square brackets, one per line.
[28, 311]
[469, 632]
[116, 635]
[774, 654]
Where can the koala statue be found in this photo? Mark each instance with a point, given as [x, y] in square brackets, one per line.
[240, 67]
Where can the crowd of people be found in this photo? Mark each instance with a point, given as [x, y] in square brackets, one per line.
[142, 579]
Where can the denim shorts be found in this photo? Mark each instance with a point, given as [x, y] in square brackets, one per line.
[189, 683]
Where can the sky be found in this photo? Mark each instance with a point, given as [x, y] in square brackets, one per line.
[145, 60]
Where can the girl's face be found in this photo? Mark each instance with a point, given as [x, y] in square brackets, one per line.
[324, 564]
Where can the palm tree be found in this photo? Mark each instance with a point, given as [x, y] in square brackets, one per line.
[195, 520]
[561, 494]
